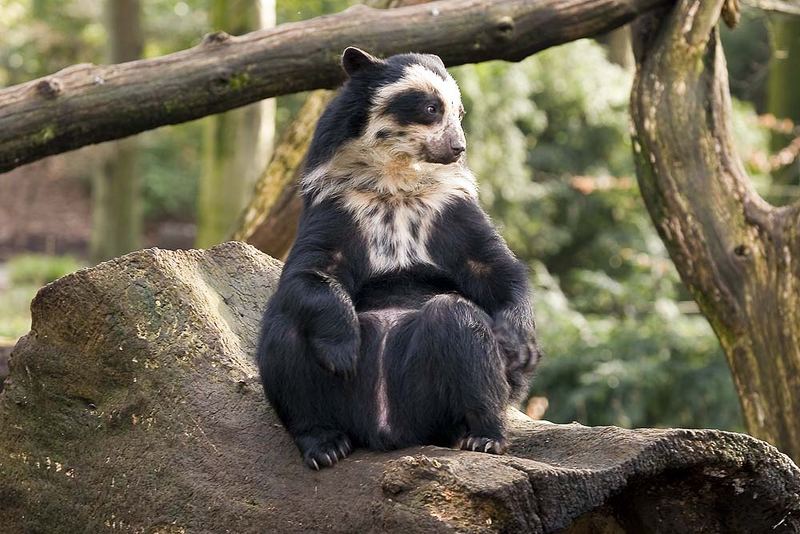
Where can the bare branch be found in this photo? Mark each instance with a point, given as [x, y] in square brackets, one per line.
[788, 7]
[87, 104]
[737, 254]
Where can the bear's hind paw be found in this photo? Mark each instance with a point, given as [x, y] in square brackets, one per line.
[482, 444]
[324, 450]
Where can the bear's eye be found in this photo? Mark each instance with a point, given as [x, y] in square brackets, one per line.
[432, 109]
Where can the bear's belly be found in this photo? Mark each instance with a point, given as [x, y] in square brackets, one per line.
[383, 321]
[405, 289]
[385, 301]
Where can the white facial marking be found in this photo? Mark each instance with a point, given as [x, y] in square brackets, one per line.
[419, 78]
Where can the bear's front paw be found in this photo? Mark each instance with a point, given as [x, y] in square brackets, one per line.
[518, 348]
[340, 358]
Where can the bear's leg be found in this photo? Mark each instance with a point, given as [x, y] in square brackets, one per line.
[313, 403]
[446, 378]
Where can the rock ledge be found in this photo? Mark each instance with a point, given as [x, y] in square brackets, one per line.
[133, 405]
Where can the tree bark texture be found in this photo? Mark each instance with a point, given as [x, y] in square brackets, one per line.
[237, 144]
[133, 405]
[87, 104]
[116, 187]
[739, 256]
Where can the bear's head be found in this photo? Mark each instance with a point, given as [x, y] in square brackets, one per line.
[414, 105]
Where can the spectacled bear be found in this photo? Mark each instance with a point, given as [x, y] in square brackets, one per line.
[401, 316]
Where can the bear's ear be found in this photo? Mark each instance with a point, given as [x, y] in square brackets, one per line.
[354, 59]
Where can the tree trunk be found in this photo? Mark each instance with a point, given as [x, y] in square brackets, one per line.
[87, 104]
[116, 191]
[739, 256]
[236, 144]
[783, 94]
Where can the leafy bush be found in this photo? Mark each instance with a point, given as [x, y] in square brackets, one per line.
[39, 269]
[25, 275]
[170, 164]
[625, 344]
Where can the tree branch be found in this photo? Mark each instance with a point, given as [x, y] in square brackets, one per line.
[787, 7]
[737, 254]
[679, 114]
[87, 104]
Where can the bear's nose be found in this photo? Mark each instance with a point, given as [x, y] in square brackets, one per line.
[457, 148]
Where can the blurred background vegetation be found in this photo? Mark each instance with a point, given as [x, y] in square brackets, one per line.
[549, 142]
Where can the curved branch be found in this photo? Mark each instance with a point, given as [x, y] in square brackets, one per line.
[690, 178]
[87, 104]
[737, 254]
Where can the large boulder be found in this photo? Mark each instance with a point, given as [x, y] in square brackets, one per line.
[5, 352]
[133, 405]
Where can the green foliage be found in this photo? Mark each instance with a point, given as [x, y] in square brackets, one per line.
[625, 345]
[43, 36]
[170, 163]
[39, 269]
[649, 364]
[752, 142]
[297, 10]
[25, 275]
[15, 317]
[171, 25]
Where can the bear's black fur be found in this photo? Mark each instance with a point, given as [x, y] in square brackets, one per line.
[422, 352]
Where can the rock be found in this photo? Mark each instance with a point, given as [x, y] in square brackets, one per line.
[5, 352]
[133, 405]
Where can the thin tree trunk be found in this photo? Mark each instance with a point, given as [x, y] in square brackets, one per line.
[783, 94]
[784, 73]
[236, 144]
[739, 256]
[116, 191]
